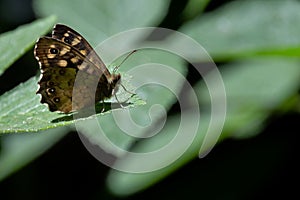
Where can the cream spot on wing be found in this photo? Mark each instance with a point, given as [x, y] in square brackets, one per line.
[64, 51]
[66, 35]
[62, 63]
[83, 66]
[76, 41]
[83, 52]
[50, 55]
[74, 60]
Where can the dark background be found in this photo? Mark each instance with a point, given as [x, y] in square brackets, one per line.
[264, 166]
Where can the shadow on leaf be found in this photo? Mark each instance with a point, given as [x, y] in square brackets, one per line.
[100, 108]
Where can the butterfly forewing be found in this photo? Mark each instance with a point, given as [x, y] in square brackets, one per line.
[74, 39]
[54, 53]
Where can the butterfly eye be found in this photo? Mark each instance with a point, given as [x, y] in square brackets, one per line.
[67, 40]
[56, 100]
[51, 90]
[50, 83]
[54, 51]
[62, 72]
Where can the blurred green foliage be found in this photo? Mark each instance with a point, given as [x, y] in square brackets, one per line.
[255, 44]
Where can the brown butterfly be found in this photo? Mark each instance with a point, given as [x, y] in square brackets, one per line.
[62, 58]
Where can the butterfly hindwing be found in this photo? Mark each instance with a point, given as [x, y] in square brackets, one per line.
[56, 90]
[54, 53]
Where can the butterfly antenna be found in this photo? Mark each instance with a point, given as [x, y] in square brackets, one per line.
[127, 90]
[114, 71]
[117, 67]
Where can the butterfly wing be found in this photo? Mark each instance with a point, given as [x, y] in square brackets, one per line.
[59, 65]
[74, 39]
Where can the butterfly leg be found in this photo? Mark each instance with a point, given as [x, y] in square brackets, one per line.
[119, 101]
[103, 108]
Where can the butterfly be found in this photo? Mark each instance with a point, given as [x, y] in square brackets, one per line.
[67, 61]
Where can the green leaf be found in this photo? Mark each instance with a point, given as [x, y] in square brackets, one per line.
[21, 110]
[194, 8]
[124, 126]
[19, 149]
[255, 88]
[97, 20]
[124, 183]
[21, 104]
[14, 44]
[18, 110]
[247, 28]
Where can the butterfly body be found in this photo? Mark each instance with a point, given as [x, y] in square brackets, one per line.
[72, 75]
